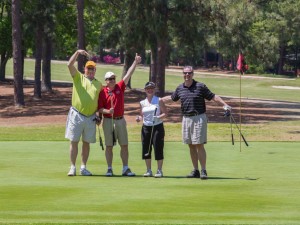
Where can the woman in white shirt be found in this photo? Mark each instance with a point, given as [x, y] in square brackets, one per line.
[152, 110]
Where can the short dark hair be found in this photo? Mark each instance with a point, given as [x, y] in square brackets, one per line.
[189, 67]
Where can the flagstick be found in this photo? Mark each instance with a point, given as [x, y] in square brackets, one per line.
[240, 111]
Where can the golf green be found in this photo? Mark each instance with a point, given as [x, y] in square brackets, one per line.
[258, 185]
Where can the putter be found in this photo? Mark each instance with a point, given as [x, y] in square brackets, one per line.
[149, 149]
[232, 139]
[112, 118]
[100, 139]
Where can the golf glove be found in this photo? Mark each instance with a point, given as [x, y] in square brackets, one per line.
[97, 119]
[227, 108]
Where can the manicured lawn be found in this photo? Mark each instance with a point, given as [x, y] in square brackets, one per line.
[259, 185]
[289, 131]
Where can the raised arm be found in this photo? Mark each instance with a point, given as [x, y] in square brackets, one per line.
[72, 61]
[130, 71]
[163, 109]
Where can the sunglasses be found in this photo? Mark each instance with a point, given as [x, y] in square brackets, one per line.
[91, 69]
[188, 73]
[113, 78]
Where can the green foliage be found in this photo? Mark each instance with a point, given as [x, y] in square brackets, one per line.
[5, 30]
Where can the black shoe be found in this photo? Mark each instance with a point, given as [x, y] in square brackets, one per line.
[203, 175]
[194, 174]
[128, 173]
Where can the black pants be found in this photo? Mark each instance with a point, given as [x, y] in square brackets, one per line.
[157, 141]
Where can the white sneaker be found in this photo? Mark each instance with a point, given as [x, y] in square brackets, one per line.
[148, 173]
[85, 172]
[158, 174]
[72, 171]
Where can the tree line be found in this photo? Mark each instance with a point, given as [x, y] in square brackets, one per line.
[194, 32]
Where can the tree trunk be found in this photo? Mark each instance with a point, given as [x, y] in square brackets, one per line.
[205, 58]
[38, 60]
[46, 66]
[161, 65]
[4, 59]
[122, 56]
[220, 61]
[81, 34]
[282, 49]
[17, 55]
[153, 65]
[129, 58]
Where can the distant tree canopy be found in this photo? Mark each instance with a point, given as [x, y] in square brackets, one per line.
[201, 33]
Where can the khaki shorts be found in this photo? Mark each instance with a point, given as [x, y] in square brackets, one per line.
[120, 128]
[194, 129]
[79, 125]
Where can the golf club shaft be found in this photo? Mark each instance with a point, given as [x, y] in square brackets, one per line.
[112, 119]
[100, 139]
[239, 130]
[149, 149]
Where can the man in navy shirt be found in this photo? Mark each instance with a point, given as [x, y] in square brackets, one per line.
[192, 95]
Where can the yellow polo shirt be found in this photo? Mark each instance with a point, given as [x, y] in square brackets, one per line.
[85, 94]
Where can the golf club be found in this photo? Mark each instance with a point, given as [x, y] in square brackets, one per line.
[112, 117]
[232, 139]
[239, 130]
[100, 139]
[228, 113]
[149, 149]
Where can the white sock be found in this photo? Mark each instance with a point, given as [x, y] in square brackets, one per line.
[73, 167]
[125, 168]
[109, 168]
[82, 167]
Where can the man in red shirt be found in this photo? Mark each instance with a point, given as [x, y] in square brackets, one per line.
[111, 105]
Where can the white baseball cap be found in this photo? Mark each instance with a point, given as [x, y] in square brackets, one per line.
[109, 75]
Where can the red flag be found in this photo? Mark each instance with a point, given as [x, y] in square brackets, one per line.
[241, 64]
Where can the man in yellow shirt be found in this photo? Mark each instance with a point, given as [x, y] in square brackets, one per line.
[81, 122]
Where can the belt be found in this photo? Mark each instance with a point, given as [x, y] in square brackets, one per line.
[191, 114]
[116, 118]
[78, 112]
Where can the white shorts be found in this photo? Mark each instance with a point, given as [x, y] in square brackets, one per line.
[194, 129]
[79, 125]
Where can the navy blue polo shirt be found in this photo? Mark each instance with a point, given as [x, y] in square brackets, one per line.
[192, 98]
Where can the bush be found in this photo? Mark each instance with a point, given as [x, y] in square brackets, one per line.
[111, 60]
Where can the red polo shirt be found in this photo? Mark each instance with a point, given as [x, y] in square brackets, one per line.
[117, 97]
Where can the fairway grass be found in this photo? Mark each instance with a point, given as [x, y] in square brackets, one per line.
[259, 185]
[252, 87]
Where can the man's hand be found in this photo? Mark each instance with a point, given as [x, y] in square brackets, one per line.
[137, 58]
[83, 52]
[98, 119]
[111, 111]
[227, 108]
